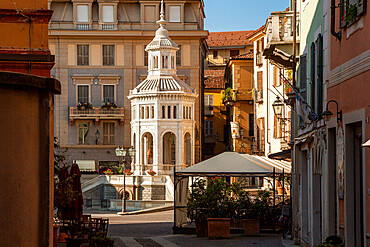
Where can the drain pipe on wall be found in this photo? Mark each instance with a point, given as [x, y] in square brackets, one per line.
[267, 108]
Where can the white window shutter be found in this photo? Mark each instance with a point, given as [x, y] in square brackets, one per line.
[175, 15]
[82, 13]
[108, 13]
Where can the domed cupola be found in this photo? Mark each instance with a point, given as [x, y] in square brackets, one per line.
[162, 110]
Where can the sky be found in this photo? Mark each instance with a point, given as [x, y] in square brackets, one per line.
[238, 15]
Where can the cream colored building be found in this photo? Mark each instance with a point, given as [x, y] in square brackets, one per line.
[99, 49]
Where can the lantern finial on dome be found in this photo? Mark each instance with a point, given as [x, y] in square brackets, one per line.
[162, 22]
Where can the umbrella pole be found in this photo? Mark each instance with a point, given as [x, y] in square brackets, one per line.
[273, 181]
[283, 188]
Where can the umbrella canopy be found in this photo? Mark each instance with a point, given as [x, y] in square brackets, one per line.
[232, 163]
[76, 207]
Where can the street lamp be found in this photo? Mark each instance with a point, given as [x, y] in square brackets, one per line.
[97, 135]
[326, 115]
[121, 154]
[278, 107]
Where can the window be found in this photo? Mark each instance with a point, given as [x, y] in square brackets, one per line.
[259, 80]
[178, 57]
[175, 14]
[208, 104]
[145, 57]
[147, 112]
[169, 112]
[303, 76]
[174, 112]
[215, 54]
[155, 61]
[152, 116]
[108, 133]
[108, 94]
[82, 54]
[348, 9]
[149, 13]
[163, 112]
[108, 54]
[108, 13]
[313, 73]
[234, 53]
[251, 125]
[320, 75]
[209, 128]
[164, 62]
[82, 93]
[83, 133]
[82, 13]
[142, 112]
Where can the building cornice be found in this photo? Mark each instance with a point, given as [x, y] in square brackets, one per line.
[115, 33]
[349, 69]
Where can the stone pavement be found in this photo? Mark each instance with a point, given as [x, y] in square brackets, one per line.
[155, 230]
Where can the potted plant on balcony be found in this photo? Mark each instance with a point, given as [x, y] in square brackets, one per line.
[108, 106]
[151, 172]
[84, 106]
[229, 96]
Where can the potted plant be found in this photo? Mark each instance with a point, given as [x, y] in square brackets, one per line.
[128, 172]
[84, 106]
[100, 240]
[74, 235]
[195, 206]
[229, 96]
[151, 172]
[108, 106]
[332, 241]
[350, 14]
[108, 172]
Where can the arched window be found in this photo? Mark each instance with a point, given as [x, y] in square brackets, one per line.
[147, 112]
[169, 148]
[155, 60]
[164, 62]
[169, 111]
[174, 112]
[163, 112]
[183, 112]
[152, 116]
[187, 149]
[190, 113]
[142, 112]
[147, 149]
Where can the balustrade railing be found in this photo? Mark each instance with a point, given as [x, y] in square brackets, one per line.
[280, 27]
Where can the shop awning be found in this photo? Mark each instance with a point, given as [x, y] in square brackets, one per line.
[366, 144]
[86, 165]
[282, 155]
[235, 164]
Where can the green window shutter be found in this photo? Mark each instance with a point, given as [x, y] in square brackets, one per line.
[361, 6]
[313, 72]
[320, 74]
[303, 76]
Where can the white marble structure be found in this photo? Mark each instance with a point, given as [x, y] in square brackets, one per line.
[163, 121]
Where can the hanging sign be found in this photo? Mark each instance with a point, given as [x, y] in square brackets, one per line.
[340, 162]
[235, 130]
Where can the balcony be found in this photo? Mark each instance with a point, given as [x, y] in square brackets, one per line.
[259, 59]
[245, 95]
[279, 35]
[96, 114]
[259, 96]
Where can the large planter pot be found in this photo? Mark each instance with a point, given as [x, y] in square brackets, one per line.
[251, 227]
[201, 228]
[280, 190]
[218, 228]
[73, 242]
[55, 235]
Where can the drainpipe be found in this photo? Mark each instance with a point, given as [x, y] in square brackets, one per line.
[338, 35]
[267, 107]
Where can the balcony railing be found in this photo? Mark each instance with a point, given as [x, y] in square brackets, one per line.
[82, 26]
[96, 114]
[107, 26]
[280, 28]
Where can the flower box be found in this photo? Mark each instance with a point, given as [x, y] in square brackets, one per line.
[218, 228]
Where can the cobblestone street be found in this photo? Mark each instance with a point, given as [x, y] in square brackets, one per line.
[155, 230]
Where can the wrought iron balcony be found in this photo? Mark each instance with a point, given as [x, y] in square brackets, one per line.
[96, 114]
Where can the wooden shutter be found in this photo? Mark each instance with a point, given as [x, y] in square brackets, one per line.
[275, 76]
[303, 76]
[259, 80]
[251, 124]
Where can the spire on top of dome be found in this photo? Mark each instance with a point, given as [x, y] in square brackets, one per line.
[162, 22]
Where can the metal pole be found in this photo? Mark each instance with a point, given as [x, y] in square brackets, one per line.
[273, 221]
[294, 41]
[124, 189]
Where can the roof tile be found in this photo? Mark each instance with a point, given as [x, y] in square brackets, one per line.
[234, 38]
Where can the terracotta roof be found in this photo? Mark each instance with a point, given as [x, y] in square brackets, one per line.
[236, 38]
[246, 56]
[257, 31]
[214, 78]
